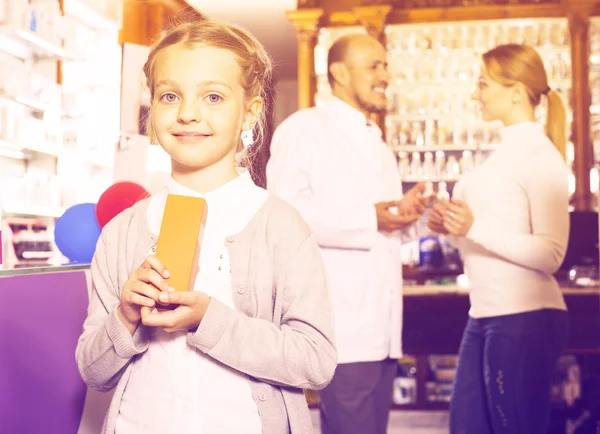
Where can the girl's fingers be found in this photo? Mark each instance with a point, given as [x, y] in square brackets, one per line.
[146, 290]
[152, 276]
[134, 298]
[153, 262]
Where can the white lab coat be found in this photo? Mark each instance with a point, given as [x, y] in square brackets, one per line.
[333, 167]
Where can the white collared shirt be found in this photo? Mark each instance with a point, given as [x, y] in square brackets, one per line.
[332, 165]
[173, 387]
[519, 199]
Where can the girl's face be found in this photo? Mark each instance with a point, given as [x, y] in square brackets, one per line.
[494, 99]
[199, 106]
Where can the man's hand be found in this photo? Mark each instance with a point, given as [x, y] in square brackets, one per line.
[414, 201]
[388, 221]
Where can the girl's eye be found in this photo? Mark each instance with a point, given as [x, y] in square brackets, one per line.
[214, 98]
[169, 97]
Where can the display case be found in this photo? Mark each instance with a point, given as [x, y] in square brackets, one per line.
[59, 99]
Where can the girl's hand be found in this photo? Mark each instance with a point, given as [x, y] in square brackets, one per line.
[186, 316]
[458, 218]
[436, 218]
[141, 290]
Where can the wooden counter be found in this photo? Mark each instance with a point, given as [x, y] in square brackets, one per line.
[435, 316]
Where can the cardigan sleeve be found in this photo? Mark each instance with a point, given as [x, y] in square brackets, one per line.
[106, 347]
[298, 353]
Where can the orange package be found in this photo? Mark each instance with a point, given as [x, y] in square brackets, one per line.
[180, 239]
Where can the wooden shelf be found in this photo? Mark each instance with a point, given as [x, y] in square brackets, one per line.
[415, 180]
[427, 406]
[445, 148]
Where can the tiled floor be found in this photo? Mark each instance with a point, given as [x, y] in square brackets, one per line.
[413, 422]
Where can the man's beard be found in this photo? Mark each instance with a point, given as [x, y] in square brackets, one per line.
[371, 108]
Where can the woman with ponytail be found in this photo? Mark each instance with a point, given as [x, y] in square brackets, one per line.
[509, 218]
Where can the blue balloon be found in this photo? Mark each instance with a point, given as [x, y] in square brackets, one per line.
[77, 231]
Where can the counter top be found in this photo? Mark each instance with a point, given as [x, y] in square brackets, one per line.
[7, 271]
[408, 290]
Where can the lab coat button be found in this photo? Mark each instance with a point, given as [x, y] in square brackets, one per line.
[262, 398]
[230, 239]
[240, 290]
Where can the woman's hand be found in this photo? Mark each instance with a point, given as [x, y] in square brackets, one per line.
[141, 291]
[186, 316]
[436, 218]
[458, 218]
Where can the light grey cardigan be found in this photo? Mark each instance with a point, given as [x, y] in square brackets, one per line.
[280, 334]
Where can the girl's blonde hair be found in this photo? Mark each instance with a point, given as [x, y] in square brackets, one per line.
[254, 61]
[512, 63]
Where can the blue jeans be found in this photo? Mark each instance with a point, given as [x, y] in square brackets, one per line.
[504, 374]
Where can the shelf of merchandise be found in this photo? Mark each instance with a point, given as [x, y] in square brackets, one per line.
[26, 45]
[74, 141]
[33, 211]
[89, 16]
[34, 105]
[28, 150]
[444, 148]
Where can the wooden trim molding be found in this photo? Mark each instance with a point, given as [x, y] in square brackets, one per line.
[578, 14]
[306, 23]
[373, 19]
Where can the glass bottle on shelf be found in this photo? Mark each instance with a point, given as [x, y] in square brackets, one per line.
[442, 193]
[404, 168]
[428, 166]
[466, 162]
[440, 163]
[416, 169]
[452, 168]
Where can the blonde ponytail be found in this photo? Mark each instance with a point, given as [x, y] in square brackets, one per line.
[556, 122]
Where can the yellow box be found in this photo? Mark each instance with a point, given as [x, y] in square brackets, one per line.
[180, 239]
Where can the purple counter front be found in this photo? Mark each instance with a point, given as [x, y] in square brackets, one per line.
[41, 317]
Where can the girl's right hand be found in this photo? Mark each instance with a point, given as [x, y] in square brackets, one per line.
[141, 290]
[436, 218]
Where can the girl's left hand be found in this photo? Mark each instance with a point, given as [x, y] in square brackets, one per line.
[458, 218]
[186, 316]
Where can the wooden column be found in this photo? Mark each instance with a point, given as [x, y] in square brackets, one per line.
[373, 19]
[578, 13]
[142, 22]
[306, 22]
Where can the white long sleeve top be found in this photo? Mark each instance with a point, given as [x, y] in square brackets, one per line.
[332, 165]
[519, 199]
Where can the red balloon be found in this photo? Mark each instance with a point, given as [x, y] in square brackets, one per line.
[117, 198]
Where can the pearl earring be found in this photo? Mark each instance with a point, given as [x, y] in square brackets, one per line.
[247, 138]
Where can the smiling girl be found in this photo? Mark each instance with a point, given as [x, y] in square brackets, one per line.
[235, 354]
[510, 220]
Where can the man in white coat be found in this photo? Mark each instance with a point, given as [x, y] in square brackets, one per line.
[331, 163]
